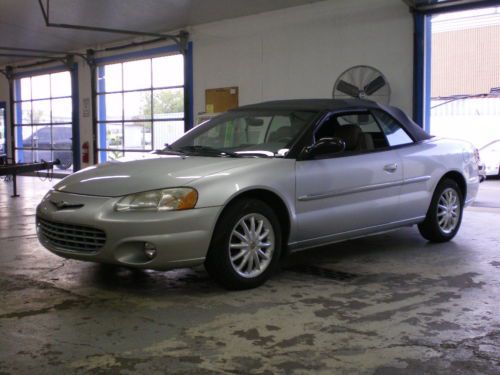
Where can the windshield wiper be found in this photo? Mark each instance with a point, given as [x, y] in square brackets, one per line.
[256, 153]
[168, 150]
[207, 150]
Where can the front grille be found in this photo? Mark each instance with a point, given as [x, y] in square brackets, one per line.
[71, 237]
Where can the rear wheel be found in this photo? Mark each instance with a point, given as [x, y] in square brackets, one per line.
[246, 245]
[444, 216]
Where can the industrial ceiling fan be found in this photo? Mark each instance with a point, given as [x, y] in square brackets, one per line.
[362, 82]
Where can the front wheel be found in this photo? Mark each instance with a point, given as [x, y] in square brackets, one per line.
[444, 216]
[246, 245]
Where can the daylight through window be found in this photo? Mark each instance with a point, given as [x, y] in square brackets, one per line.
[140, 105]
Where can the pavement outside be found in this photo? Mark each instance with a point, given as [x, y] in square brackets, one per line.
[383, 305]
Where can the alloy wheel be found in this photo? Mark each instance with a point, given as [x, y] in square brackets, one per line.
[251, 245]
[448, 210]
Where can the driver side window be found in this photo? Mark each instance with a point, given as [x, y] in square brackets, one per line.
[359, 131]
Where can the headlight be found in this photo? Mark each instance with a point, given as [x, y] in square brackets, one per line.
[159, 200]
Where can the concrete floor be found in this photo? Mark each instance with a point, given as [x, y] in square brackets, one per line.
[389, 304]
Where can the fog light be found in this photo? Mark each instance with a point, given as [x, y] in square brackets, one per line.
[149, 250]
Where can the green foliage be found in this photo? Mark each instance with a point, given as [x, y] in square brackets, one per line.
[167, 101]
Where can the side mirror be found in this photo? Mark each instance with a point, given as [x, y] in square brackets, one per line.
[325, 146]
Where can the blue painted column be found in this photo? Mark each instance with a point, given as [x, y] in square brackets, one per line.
[102, 113]
[422, 70]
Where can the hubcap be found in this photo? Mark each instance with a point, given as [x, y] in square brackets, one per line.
[251, 245]
[448, 210]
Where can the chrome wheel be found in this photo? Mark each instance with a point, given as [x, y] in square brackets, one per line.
[448, 210]
[251, 245]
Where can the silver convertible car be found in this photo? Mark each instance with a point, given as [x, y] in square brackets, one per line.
[242, 190]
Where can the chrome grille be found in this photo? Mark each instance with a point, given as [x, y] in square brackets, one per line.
[71, 237]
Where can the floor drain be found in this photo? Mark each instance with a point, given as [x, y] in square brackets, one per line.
[323, 272]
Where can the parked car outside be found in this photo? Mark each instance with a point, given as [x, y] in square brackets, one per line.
[242, 190]
[37, 147]
[480, 165]
[490, 154]
[481, 171]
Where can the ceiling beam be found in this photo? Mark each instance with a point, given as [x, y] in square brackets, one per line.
[179, 39]
[439, 5]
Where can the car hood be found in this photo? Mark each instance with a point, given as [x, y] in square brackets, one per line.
[122, 177]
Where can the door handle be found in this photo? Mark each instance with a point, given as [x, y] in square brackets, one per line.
[391, 168]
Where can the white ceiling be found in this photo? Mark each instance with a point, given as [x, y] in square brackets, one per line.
[22, 24]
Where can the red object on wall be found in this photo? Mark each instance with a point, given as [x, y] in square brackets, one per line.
[85, 152]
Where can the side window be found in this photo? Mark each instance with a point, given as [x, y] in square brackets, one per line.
[61, 134]
[359, 131]
[393, 130]
[43, 135]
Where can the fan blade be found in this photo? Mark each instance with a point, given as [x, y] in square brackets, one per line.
[348, 89]
[374, 85]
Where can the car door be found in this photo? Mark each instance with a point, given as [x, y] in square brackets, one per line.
[348, 192]
[418, 165]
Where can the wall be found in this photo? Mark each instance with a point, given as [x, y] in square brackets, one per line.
[299, 52]
[294, 53]
[465, 61]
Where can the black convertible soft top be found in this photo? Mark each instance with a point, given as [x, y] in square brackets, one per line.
[328, 105]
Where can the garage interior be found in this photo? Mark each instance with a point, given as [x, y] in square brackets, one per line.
[92, 72]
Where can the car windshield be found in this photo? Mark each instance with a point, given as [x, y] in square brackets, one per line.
[250, 133]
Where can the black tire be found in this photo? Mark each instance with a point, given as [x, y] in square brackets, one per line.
[430, 228]
[218, 261]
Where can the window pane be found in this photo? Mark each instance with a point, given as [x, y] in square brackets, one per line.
[393, 130]
[62, 137]
[42, 137]
[111, 136]
[41, 154]
[137, 105]
[62, 110]
[60, 84]
[168, 104]
[168, 71]
[23, 113]
[40, 86]
[25, 87]
[41, 111]
[138, 136]
[26, 137]
[167, 132]
[112, 79]
[137, 74]
[24, 156]
[109, 107]
[113, 155]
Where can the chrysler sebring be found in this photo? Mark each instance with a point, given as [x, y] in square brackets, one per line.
[242, 190]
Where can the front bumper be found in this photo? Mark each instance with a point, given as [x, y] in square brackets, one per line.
[181, 238]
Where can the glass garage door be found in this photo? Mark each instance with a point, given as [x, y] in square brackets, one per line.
[140, 105]
[43, 118]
